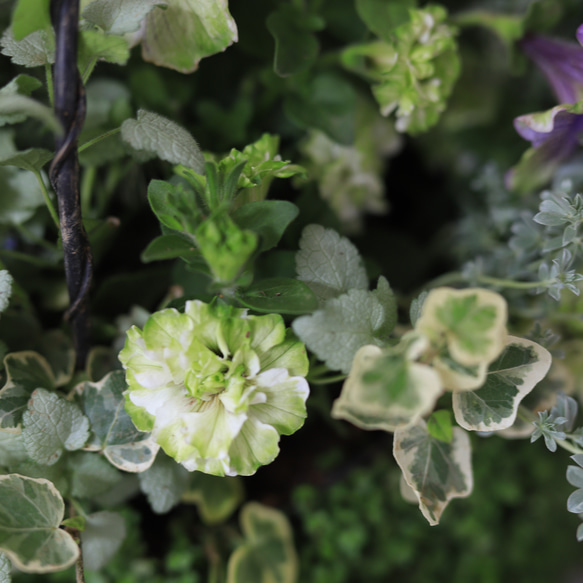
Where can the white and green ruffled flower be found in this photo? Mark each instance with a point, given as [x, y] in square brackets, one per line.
[215, 386]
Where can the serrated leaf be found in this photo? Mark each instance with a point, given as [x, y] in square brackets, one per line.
[25, 372]
[470, 322]
[215, 498]
[35, 50]
[103, 535]
[386, 391]
[168, 140]
[268, 554]
[186, 32]
[113, 432]
[29, 16]
[510, 378]
[164, 484]
[296, 47]
[5, 568]
[32, 510]
[91, 475]
[51, 425]
[346, 323]
[95, 45]
[119, 16]
[268, 218]
[32, 159]
[328, 263]
[279, 294]
[436, 471]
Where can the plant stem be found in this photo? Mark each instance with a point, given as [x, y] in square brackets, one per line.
[69, 99]
[87, 183]
[50, 90]
[48, 200]
[571, 447]
[457, 277]
[327, 380]
[98, 139]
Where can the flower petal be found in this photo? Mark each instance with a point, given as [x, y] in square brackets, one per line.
[256, 445]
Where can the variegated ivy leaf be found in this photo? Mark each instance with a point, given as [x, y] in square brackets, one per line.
[51, 425]
[385, 390]
[469, 324]
[25, 371]
[12, 450]
[32, 510]
[435, 470]
[119, 16]
[169, 141]
[113, 432]
[328, 263]
[510, 378]
[459, 377]
[268, 554]
[186, 32]
[5, 568]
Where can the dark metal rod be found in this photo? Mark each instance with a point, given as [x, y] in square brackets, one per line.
[69, 99]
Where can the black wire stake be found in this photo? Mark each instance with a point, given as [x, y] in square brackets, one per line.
[69, 99]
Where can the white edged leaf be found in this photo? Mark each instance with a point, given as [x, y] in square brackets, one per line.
[5, 568]
[51, 425]
[459, 377]
[337, 331]
[396, 393]
[436, 471]
[407, 493]
[103, 535]
[35, 50]
[186, 31]
[268, 553]
[164, 484]
[32, 510]
[521, 365]
[329, 263]
[113, 431]
[119, 16]
[26, 371]
[470, 324]
[165, 138]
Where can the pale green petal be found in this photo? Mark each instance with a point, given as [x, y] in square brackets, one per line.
[281, 400]
[208, 324]
[256, 445]
[266, 332]
[290, 355]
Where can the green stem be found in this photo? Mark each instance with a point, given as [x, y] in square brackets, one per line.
[457, 277]
[571, 447]
[48, 201]
[88, 70]
[36, 239]
[87, 183]
[26, 258]
[98, 139]
[49, 77]
[327, 380]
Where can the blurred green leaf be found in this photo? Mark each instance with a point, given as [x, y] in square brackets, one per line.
[280, 295]
[30, 16]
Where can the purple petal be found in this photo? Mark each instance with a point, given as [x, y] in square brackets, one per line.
[561, 62]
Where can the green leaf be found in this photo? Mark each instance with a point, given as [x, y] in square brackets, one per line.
[113, 432]
[268, 554]
[383, 17]
[508, 27]
[5, 568]
[170, 247]
[164, 484]
[346, 323]
[12, 450]
[32, 159]
[76, 522]
[36, 50]
[296, 47]
[216, 498]
[186, 32]
[511, 377]
[385, 390]
[51, 425]
[280, 295]
[91, 475]
[103, 535]
[388, 301]
[32, 510]
[57, 348]
[15, 108]
[169, 141]
[225, 247]
[174, 206]
[328, 263]
[25, 371]
[328, 103]
[435, 470]
[268, 218]
[439, 426]
[95, 45]
[30, 16]
[119, 16]
[471, 322]
[20, 85]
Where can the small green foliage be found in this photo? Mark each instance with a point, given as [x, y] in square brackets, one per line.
[119, 16]
[279, 295]
[439, 426]
[30, 16]
[32, 511]
[382, 17]
[35, 50]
